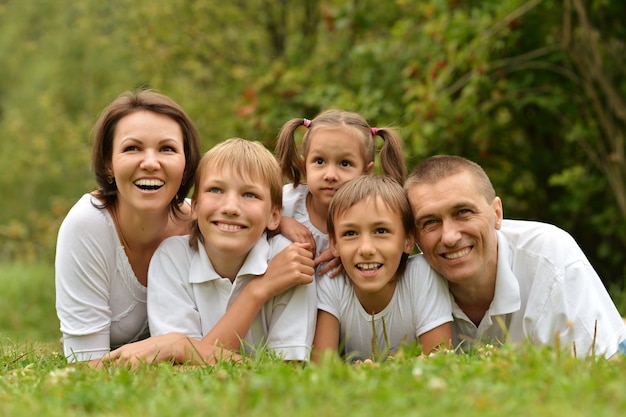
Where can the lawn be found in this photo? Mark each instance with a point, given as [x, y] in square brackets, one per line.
[36, 381]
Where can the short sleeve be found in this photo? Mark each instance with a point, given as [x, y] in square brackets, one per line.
[84, 264]
[171, 303]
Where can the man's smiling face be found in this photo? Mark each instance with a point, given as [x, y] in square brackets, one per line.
[456, 227]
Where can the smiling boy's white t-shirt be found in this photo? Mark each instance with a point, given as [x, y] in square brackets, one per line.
[186, 295]
[420, 303]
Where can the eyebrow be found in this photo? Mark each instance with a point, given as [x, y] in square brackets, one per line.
[135, 139]
[453, 208]
[248, 186]
[344, 155]
[355, 224]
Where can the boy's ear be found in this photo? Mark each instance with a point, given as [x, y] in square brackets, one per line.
[194, 206]
[333, 247]
[369, 168]
[274, 220]
[409, 244]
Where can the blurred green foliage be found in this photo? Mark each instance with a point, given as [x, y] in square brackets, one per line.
[530, 89]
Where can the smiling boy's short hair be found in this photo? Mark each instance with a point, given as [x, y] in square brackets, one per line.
[372, 187]
[249, 159]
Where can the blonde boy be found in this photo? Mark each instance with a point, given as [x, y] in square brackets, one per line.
[194, 279]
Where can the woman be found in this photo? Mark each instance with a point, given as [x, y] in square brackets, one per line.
[145, 153]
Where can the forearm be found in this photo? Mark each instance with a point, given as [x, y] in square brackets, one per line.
[200, 352]
[438, 338]
[235, 323]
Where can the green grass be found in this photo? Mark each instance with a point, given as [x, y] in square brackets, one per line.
[513, 381]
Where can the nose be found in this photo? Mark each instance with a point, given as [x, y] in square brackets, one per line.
[330, 174]
[450, 233]
[366, 246]
[150, 161]
[231, 204]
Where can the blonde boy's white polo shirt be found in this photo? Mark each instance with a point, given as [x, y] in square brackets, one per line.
[186, 295]
[546, 292]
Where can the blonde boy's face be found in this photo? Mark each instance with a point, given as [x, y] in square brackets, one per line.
[232, 213]
[370, 240]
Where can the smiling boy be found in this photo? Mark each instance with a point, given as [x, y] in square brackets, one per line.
[195, 279]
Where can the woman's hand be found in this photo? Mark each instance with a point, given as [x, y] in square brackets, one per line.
[171, 347]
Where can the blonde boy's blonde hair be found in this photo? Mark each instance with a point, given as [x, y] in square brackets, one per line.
[250, 160]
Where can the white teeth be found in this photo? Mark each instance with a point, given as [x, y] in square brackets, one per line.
[149, 183]
[231, 227]
[368, 266]
[457, 255]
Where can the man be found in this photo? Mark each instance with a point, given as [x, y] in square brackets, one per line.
[510, 280]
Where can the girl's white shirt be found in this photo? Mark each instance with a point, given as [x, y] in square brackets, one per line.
[294, 205]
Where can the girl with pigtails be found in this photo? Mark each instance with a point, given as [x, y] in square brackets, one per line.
[337, 147]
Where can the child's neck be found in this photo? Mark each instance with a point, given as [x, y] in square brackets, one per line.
[374, 303]
[317, 213]
[227, 265]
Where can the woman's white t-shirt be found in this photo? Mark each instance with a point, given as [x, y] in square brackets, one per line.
[100, 303]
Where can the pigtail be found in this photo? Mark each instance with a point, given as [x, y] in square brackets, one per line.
[287, 152]
[391, 156]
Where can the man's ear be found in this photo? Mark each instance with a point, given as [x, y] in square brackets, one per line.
[497, 207]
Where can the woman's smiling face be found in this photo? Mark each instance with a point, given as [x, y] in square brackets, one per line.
[147, 161]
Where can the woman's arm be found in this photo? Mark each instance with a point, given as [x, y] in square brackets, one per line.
[85, 260]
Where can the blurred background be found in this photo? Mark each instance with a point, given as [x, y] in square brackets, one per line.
[534, 91]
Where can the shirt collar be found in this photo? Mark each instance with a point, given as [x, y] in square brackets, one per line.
[201, 269]
[507, 297]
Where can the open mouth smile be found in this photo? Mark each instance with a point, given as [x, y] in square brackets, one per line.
[228, 226]
[456, 255]
[149, 185]
[369, 268]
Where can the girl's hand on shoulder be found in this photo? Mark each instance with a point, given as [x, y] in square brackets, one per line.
[332, 263]
[296, 232]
